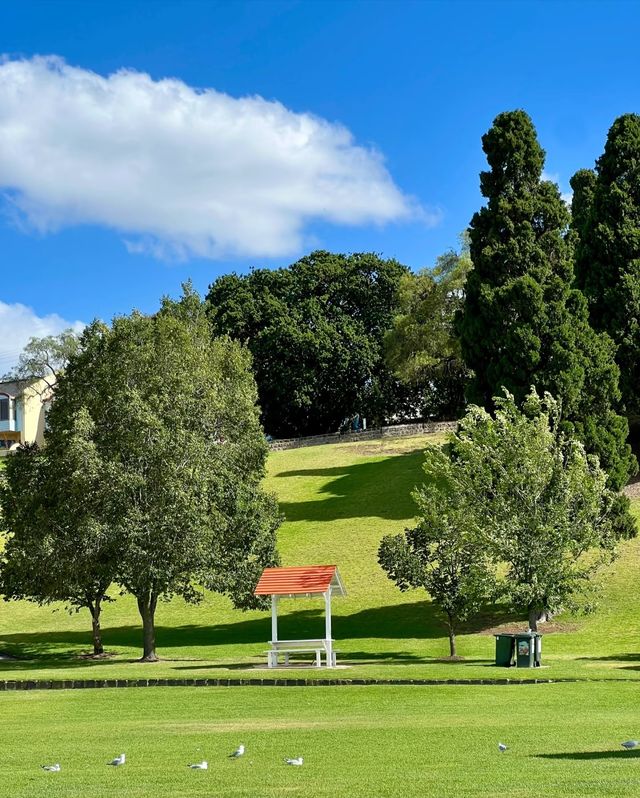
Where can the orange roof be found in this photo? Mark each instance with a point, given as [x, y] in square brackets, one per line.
[299, 581]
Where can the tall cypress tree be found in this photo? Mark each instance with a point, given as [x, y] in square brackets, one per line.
[523, 323]
[606, 218]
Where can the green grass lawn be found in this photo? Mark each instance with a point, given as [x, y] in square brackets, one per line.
[564, 740]
[339, 500]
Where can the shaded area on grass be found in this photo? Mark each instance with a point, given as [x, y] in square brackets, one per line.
[586, 755]
[627, 657]
[417, 620]
[377, 488]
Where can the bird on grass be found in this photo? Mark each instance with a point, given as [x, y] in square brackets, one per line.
[237, 753]
[630, 744]
[119, 760]
[298, 760]
[204, 765]
[502, 747]
[52, 768]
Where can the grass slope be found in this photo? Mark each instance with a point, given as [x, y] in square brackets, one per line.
[374, 741]
[339, 500]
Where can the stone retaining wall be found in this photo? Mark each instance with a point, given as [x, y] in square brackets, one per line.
[395, 431]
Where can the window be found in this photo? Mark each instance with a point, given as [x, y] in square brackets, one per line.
[4, 408]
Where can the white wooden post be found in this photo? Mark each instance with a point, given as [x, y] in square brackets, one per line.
[273, 654]
[327, 627]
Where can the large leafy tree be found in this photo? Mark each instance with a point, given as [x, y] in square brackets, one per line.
[523, 322]
[46, 358]
[315, 331]
[606, 218]
[539, 501]
[513, 494]
[174, 426]
[58, 547]
[422, 347]
[442, 553]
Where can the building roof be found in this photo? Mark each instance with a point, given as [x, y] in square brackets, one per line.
[304, 580]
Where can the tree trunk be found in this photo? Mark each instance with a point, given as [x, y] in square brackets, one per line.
[533, 619]
[95, 609]
[147, 608]
[452, 636]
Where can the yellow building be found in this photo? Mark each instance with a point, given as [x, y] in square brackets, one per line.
[23, 409]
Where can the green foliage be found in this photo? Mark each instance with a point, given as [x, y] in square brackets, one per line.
[422, 348]
[606, 218]
[58, 548]
[523, 323]
[45, 357]
[539, 501]
[178, 454]
[441, 554]
[339, 501]
[315, 331]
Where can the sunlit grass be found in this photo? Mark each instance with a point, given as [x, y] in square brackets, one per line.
[339, 501]
[564, 740]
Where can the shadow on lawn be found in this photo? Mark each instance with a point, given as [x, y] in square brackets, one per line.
[345, 657]
[380, 488]
[586, 755]
[417, 620]
[627, 657]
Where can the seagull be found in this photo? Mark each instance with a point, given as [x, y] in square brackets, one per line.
[52, 768]
[629, 744]
[204, 765]
[502, 747]
[237, 753]
[119, 760]
[298, 760]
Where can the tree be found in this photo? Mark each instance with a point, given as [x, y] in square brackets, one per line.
[422, 348]
[315, 331]
[177, 439]
[441, 554]
[46, 357]
[57, 548]
[606, 219]
[538, 500]
[523, 323]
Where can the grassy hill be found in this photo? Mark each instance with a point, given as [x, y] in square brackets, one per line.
[339, 500]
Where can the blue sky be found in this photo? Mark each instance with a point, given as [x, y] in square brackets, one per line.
[367, 136]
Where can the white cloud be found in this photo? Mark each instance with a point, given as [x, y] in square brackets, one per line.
[18, 323]
[178, 170]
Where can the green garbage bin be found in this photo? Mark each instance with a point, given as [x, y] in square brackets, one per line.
[504, 650]
[528, 649]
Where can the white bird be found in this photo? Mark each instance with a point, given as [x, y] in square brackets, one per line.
[629, 744]
[298, 760]
[52, 768]
[237, 753]
[502, 747]
[119, 760]
[204, 765]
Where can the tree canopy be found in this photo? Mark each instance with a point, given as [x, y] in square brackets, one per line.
[169, 424]
[442, 554]
[45, 357]
[606, 218]
[510, 494]
[59, 547]
[523, 323]
[315, 331]
[422, 347]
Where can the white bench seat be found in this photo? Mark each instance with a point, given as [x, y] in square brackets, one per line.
[289, 647]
